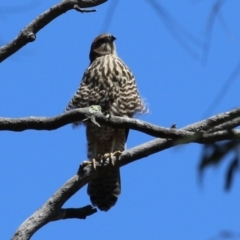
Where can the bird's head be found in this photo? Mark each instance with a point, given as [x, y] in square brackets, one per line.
[102, 45]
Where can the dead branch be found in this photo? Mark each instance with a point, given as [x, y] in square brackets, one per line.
[79, 213]
[210, 123]
[28, 34]
[194, 132]
[227, 125]
[52, 209]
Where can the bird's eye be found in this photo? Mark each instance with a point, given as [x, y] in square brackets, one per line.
[99, 42]
[104, 40]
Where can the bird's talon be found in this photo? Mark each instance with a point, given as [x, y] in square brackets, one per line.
[109, 156]
[117, 154]
[85, 163]
[111, 160]
[94, 164]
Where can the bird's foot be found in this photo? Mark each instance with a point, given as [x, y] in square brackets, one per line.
[110, 157]
[93, 162]
[107, 158]
[85, 163]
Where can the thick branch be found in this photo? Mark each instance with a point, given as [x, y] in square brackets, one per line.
[28, 34]
[52, 211]
[52, 123]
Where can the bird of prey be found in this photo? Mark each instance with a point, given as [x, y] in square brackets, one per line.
[107, 82]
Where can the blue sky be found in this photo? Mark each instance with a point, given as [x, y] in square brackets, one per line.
[162, 197]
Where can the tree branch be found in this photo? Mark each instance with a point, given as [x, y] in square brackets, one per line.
[214, 121]
[28, 34]
[79, 213]
[227, 125]
[193, 131]
[52, 209]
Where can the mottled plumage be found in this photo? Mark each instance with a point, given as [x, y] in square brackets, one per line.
[107, 82]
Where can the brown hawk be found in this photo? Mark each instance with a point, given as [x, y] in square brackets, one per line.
[107, 82]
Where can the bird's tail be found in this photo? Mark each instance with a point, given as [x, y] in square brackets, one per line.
[104, 190]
